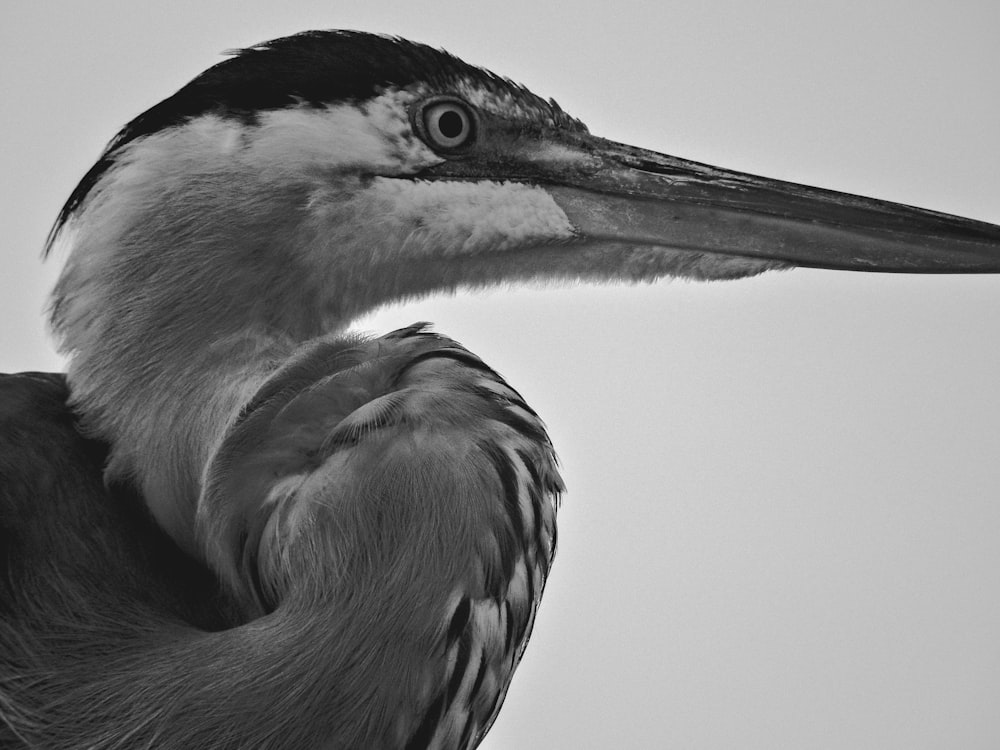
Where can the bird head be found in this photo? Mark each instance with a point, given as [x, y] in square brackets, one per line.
[309, 179]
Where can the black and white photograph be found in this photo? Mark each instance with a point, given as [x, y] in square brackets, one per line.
[358, 303]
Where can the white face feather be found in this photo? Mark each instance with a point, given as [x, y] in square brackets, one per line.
[374, 138]
[394, 220]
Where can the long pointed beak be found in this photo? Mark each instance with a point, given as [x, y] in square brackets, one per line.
[626, 194]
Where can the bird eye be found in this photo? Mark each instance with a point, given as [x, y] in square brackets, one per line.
[447, 124]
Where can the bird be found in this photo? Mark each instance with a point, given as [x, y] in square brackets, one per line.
[234, 523]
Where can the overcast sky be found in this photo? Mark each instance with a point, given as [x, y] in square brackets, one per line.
[783, 519]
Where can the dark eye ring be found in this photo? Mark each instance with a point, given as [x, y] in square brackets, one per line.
[446, 123]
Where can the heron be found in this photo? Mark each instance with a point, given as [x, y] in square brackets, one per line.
[234, 523]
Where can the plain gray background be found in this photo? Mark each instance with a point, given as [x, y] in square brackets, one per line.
[783, 523]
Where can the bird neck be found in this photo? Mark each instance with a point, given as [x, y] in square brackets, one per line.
[164, 417]
[182, 291]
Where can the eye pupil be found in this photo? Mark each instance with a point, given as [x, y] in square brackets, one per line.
[451, 124]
